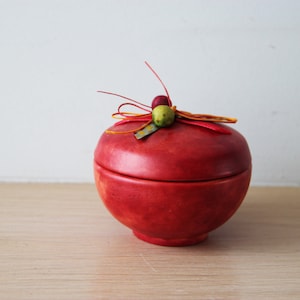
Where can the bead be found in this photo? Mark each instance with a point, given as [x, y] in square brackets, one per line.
[163, 115]
[160, 100]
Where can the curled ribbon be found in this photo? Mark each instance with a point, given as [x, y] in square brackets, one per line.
[202, 120]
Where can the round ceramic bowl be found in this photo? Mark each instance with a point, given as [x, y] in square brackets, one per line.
[175, 186]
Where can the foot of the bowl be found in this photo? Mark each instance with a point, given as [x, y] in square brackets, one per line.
[171, 242]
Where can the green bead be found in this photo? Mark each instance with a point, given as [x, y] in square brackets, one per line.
[163, 116]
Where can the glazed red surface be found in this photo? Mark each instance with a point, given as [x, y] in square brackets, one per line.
[175, 186]
[177, 153]
[171, 210]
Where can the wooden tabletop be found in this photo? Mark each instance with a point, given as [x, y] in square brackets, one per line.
[57, 241]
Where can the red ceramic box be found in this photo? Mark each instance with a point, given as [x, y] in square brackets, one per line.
[175, 186]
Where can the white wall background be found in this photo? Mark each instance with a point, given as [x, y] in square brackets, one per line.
[235, 58]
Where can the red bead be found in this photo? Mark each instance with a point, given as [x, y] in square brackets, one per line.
[160, 100]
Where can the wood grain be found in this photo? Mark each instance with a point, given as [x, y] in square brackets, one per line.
[57, 241]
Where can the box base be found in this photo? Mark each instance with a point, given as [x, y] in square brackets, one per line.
[171, 242]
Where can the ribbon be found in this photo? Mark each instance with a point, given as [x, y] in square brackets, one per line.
[208, 121]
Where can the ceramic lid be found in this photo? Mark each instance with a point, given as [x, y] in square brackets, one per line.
[180, 152]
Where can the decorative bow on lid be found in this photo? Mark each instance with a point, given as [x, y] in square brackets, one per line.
[163, 114]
